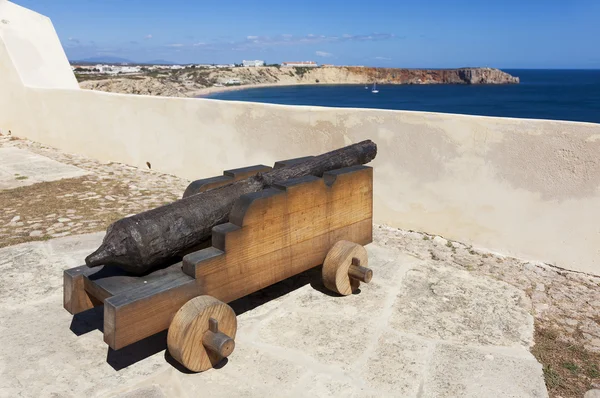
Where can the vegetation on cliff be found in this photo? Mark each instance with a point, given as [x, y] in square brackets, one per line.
[191, 81]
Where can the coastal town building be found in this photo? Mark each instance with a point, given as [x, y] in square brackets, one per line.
[106, 69]
[221, 66]
[301, 64]
[253, 63]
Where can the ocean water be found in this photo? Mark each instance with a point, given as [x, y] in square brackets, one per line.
[542, 94]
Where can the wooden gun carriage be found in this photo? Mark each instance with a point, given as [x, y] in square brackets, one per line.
[271, 235]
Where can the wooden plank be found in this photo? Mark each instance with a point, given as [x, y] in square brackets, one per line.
[228, 176]
[301, 209]
[75, 298]
[228, 281]
[301, 194]
[282, 231]
[274, 234]
[306, 208]
[140, 313]
[145, 241]
[112, 281]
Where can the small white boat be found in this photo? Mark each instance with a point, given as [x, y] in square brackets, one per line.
[366, 87]
[374, 91]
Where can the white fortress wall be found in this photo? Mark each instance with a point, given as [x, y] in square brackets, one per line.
[528, 188]
[34, 48]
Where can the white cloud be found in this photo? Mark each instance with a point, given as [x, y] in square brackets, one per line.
[148, 37]
[323, 54]
[199, 44]
[383, 58]
[71, 43]
[287, 39]
[175, 45]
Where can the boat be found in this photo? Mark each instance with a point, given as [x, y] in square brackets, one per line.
[374, 91]
[366, 87]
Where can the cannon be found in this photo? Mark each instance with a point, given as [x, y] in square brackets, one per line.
[271, 235]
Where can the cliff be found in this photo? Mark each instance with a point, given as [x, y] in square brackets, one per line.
[436, 76]
[194, 81]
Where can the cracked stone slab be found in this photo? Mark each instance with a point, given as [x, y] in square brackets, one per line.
[303, 343]
[260, 369]
[336, 341]
[442, 303]
[30, 271]
[465, 372]
[398, 364]
[326, 386]
[153, 391]
[20, 167]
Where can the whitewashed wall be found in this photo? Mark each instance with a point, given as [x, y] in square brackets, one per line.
[528, 188]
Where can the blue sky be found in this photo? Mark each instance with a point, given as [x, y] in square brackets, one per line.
[392, 33]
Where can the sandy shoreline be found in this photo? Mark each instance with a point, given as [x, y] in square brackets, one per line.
[214, 90]
[200, 83]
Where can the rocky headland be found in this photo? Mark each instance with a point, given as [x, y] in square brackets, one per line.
[190, 82]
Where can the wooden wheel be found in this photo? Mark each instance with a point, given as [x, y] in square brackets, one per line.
[202, 333]
[345, 267]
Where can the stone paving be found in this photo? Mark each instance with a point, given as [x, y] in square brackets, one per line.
[421, 328]
[78, 195]
[564, 300]
[440, 318]
[565, 304]
[19, 167]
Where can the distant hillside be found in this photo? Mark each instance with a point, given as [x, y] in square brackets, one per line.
[195, 81]
[119, 60]
[158, 62]
[105, 60]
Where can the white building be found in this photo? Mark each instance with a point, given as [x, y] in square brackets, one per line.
[130, 69]
[115, 69]
[104, 68]
[253, 63]
[301, 64]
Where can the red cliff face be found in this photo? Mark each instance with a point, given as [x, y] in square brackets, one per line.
[435, 76]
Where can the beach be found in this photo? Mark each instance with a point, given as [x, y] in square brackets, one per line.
[542, 94]
[194, 82]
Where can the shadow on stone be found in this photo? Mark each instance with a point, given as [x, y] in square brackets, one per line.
[256, 299]
[318, 285]
[88, 321]
[173, 362]
[93, 319]
[127, 356]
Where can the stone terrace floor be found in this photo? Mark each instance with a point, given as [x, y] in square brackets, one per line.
[439, 319]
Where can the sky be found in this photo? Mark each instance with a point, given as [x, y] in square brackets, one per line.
[392, 33]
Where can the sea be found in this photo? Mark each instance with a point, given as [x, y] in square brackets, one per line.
[542, 94]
